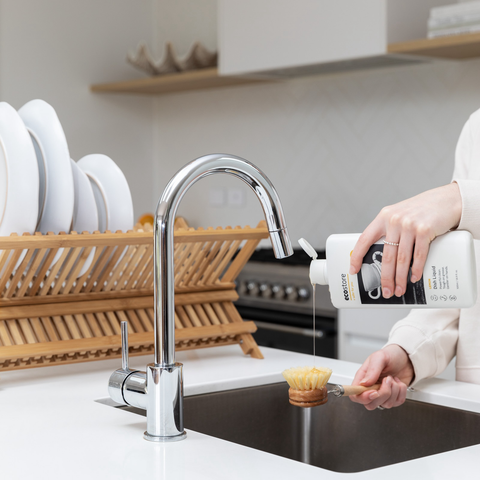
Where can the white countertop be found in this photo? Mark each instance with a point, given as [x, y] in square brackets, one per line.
[52, 428]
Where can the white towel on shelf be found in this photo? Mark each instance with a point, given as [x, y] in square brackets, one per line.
[454, 21]
[457, 9]
[443, 32]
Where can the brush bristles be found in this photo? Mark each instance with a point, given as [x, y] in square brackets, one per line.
[307, 378]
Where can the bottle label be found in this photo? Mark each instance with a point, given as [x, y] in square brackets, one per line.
[449, 277]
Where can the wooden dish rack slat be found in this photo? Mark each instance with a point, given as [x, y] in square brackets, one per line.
[62, 297]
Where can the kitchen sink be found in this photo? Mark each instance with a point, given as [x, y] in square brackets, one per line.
[341, 436]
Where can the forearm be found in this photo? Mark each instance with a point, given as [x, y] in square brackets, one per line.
[429, 337]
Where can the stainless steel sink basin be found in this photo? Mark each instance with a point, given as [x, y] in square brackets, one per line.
[341, 436]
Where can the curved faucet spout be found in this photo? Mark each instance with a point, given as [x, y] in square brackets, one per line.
[163, 235]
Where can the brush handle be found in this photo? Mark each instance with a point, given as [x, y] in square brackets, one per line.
[358, 389]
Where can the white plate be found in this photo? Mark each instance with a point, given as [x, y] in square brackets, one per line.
[112, 195]
[18, 176]
[56, 179]
[85, 216]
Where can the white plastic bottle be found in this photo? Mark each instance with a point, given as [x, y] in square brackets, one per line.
[449, 278]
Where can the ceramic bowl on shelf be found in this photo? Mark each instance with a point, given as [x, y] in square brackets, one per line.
[198, 57]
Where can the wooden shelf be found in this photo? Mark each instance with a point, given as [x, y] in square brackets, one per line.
[175, 82]
[453, 47]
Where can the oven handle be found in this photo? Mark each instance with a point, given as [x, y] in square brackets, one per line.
[287, 329]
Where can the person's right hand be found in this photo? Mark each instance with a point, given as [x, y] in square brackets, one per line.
[392, 367]
[410, 226]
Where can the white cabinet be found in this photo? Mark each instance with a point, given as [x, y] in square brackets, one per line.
[363, 331]
[286, 38]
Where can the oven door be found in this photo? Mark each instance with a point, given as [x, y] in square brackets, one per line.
[293, 331]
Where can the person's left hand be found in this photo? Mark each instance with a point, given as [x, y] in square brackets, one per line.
[391, 366]
[412, 224]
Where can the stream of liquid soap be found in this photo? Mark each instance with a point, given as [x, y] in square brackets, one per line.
[313, 287]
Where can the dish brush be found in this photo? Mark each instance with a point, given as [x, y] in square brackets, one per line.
[307, 385]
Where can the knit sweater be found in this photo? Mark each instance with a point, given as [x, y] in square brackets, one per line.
[433, 337]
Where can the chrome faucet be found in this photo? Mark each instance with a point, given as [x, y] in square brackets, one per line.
[160, 390]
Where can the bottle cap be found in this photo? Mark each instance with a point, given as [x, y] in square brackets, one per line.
[310, 251]
[318, 268]
[318, 272]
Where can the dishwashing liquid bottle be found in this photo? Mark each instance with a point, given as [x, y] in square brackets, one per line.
[449, 277]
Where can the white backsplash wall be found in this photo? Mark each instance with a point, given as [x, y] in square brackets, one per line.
[337, 148]
[55, 49]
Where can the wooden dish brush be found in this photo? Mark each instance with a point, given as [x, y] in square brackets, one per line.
[308, 386]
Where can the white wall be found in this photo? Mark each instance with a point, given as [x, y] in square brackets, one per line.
[54, 49]
[183, 22]
[337, 148]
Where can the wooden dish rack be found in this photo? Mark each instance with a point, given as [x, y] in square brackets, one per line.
[50, 315]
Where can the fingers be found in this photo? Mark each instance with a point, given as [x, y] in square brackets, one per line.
[404, 259]
[368, 374]
[392, 393]
[410, 245]
[422, 245]
[372, 234]
[394, 233]
[360, 375]
[384, 394]
[396, 260]
[375, 364]
[401, 394]
[389, 265]
[413, 223]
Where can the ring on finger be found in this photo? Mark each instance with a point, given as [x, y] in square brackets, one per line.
[393, 244]
[380, 407]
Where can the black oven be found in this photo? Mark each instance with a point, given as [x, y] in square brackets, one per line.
[277, 296]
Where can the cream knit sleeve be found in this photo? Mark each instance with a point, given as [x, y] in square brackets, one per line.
[467, 174]
[430, 339]
[430, 336]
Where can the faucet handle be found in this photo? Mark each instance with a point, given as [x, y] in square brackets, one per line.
[124, 328]
[119, 377]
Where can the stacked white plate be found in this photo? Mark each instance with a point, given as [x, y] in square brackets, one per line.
[19, 185]
[19, 179]
[111, 192]
[42, 189]
[56, 178]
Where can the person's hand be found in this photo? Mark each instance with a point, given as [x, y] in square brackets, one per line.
[393, 368]
[412, 224]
